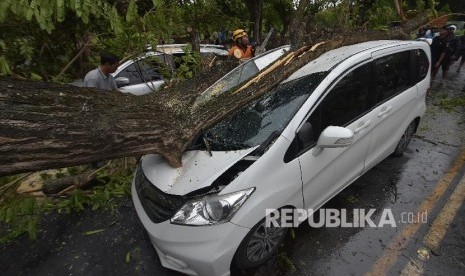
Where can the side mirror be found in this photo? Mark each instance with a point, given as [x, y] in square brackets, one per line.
[334, 137]
[122, 81]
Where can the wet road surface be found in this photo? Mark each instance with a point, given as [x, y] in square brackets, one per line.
[422, 186]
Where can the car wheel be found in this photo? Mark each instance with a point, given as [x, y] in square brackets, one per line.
[259, 245]
[405, 140]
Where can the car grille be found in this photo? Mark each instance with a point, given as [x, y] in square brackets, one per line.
[158, 205]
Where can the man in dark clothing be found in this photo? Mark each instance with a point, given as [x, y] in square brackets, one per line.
[461, 52]
[442, 49]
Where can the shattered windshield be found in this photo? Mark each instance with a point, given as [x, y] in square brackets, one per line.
[252, 125]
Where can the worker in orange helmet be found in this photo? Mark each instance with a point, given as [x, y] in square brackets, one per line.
[242, 50]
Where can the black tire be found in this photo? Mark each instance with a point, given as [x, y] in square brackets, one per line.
[260, 244]
[405, 140]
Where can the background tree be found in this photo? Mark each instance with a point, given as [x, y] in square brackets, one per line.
[38, 121]
[400, 9]
[278, 14]
[255, 8]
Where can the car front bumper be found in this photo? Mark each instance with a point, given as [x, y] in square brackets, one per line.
[193, 250]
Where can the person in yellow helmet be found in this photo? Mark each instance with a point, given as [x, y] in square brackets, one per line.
[242, 50]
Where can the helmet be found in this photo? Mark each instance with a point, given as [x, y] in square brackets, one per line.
[452, 28]
[238, 34]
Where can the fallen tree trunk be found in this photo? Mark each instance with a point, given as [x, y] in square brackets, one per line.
[46, 125]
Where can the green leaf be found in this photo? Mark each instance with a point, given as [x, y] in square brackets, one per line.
[32, 228]
[4, 67]
[128, 257]
[9, 216]
[292, 233]
[60, 10]
[131, 14]
[28, 206]
[31, 10]
[35, 76]
[78, 7]
[93, 232]
[4, 7]
[157, 3]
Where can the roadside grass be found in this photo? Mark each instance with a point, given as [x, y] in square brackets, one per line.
[450, 103]
[20, 213]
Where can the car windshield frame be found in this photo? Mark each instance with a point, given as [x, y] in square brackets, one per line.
[242, 73]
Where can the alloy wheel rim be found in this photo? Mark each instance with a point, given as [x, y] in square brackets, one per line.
[263, 241]
[406, 137]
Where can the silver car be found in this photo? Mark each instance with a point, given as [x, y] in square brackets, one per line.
[149, 71]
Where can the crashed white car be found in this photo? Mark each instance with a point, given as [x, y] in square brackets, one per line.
[296, 147]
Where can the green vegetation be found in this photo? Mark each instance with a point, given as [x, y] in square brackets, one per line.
[61, 40]
[451, 104]
[285, 263]
[21, 213]
[188, 64]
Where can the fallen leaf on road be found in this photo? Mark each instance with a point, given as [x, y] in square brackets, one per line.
[93, 232]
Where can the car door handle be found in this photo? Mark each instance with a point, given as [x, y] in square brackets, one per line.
[385, 110]
[362, 126]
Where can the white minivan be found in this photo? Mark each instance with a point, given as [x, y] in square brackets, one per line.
[296, 147]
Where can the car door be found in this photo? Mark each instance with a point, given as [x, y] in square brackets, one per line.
[394, 77]
[144, 77]
[347, 104]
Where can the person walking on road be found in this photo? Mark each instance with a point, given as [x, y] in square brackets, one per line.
[101, 77]
[441, 51]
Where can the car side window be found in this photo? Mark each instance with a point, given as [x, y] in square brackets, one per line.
[422, 64]
[392, 75]
[132, 74]
[140, 72]
[347, 101]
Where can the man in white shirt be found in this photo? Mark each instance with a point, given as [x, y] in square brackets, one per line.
[101, 77]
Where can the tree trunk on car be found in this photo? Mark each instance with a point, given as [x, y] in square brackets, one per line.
[46, 125]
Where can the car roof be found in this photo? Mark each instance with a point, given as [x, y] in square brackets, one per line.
[332, 58]
[178, 48]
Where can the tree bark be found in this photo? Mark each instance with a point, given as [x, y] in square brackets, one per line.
[57, 185]
[46, 125]
[400, 11]
[297, 34]
[255, 8]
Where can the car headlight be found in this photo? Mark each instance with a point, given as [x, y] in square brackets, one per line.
[211, 210]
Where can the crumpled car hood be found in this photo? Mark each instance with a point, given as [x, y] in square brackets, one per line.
[199, 169]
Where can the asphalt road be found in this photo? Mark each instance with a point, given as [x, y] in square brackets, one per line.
[428, 180]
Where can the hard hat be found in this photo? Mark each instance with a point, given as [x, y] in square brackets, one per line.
[452, 27]
[238, 34]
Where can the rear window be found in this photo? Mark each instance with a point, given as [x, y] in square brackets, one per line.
[392, 75]
[422, 64]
